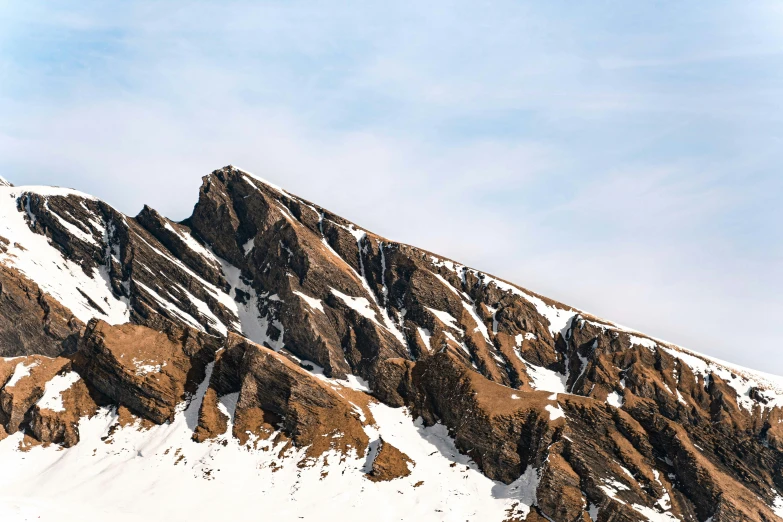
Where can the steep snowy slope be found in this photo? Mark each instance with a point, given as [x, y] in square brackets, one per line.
[281, 361]
[34, 255]
[161, 474]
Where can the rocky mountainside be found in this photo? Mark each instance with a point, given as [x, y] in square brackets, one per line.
[266, 356]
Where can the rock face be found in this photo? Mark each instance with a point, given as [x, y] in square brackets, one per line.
[24, 384]
[31, 321]
[283, 322]
[147, 371]
[273, 396]
[389, 463]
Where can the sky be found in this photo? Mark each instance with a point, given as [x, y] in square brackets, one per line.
[622, 157]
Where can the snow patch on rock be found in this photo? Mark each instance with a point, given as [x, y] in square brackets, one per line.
[103, 478]
[554, 412]
[312, 302]
[545, 379]
[21, 371]
[358, 304]
[34, 256]
[615, 399]
[53, 393]
[445, 318]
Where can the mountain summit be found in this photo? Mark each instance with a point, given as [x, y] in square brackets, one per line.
[265, 358]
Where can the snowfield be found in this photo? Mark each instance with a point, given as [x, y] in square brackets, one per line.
[161, 474]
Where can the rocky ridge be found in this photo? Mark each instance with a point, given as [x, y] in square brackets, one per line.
[266, 322]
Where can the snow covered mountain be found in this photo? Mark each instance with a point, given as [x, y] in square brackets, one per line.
[266, 358]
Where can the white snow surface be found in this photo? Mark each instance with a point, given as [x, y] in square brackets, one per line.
[312, 302]
[249, 245]
[739, 378]
[665, 502]
[777, 506]
[359, 304]
[615, 399]
[545, 379]
[426, 335]
[192, 244]
[593, 512]
[554, 411]
[161, 474]
[36, 258]
[250, 323]
[445, 318]
[643, 341]
[481, 327]
[21, 371]
[53, 393]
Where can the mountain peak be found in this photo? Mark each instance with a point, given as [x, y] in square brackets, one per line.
[268, 344]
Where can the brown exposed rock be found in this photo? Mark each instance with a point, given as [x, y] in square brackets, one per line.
[389, 463]
[61, 427]
[211, 421]
[31, 321]
[19, 395]
[314, 414]
[502, 429]
[392, 381]
[148, 371]
[638, 424]
[276, 396]
[296, 252]
[560, 495]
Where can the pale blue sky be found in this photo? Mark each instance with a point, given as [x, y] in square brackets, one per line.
[623, 157]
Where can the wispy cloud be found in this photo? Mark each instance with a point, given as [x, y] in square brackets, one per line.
[622, 159]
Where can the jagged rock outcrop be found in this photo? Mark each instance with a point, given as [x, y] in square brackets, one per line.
[287, 326]
[24, 384]
[57, 421]
[148, 371]
[274, 395]
[389, 463]
[31, 321]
